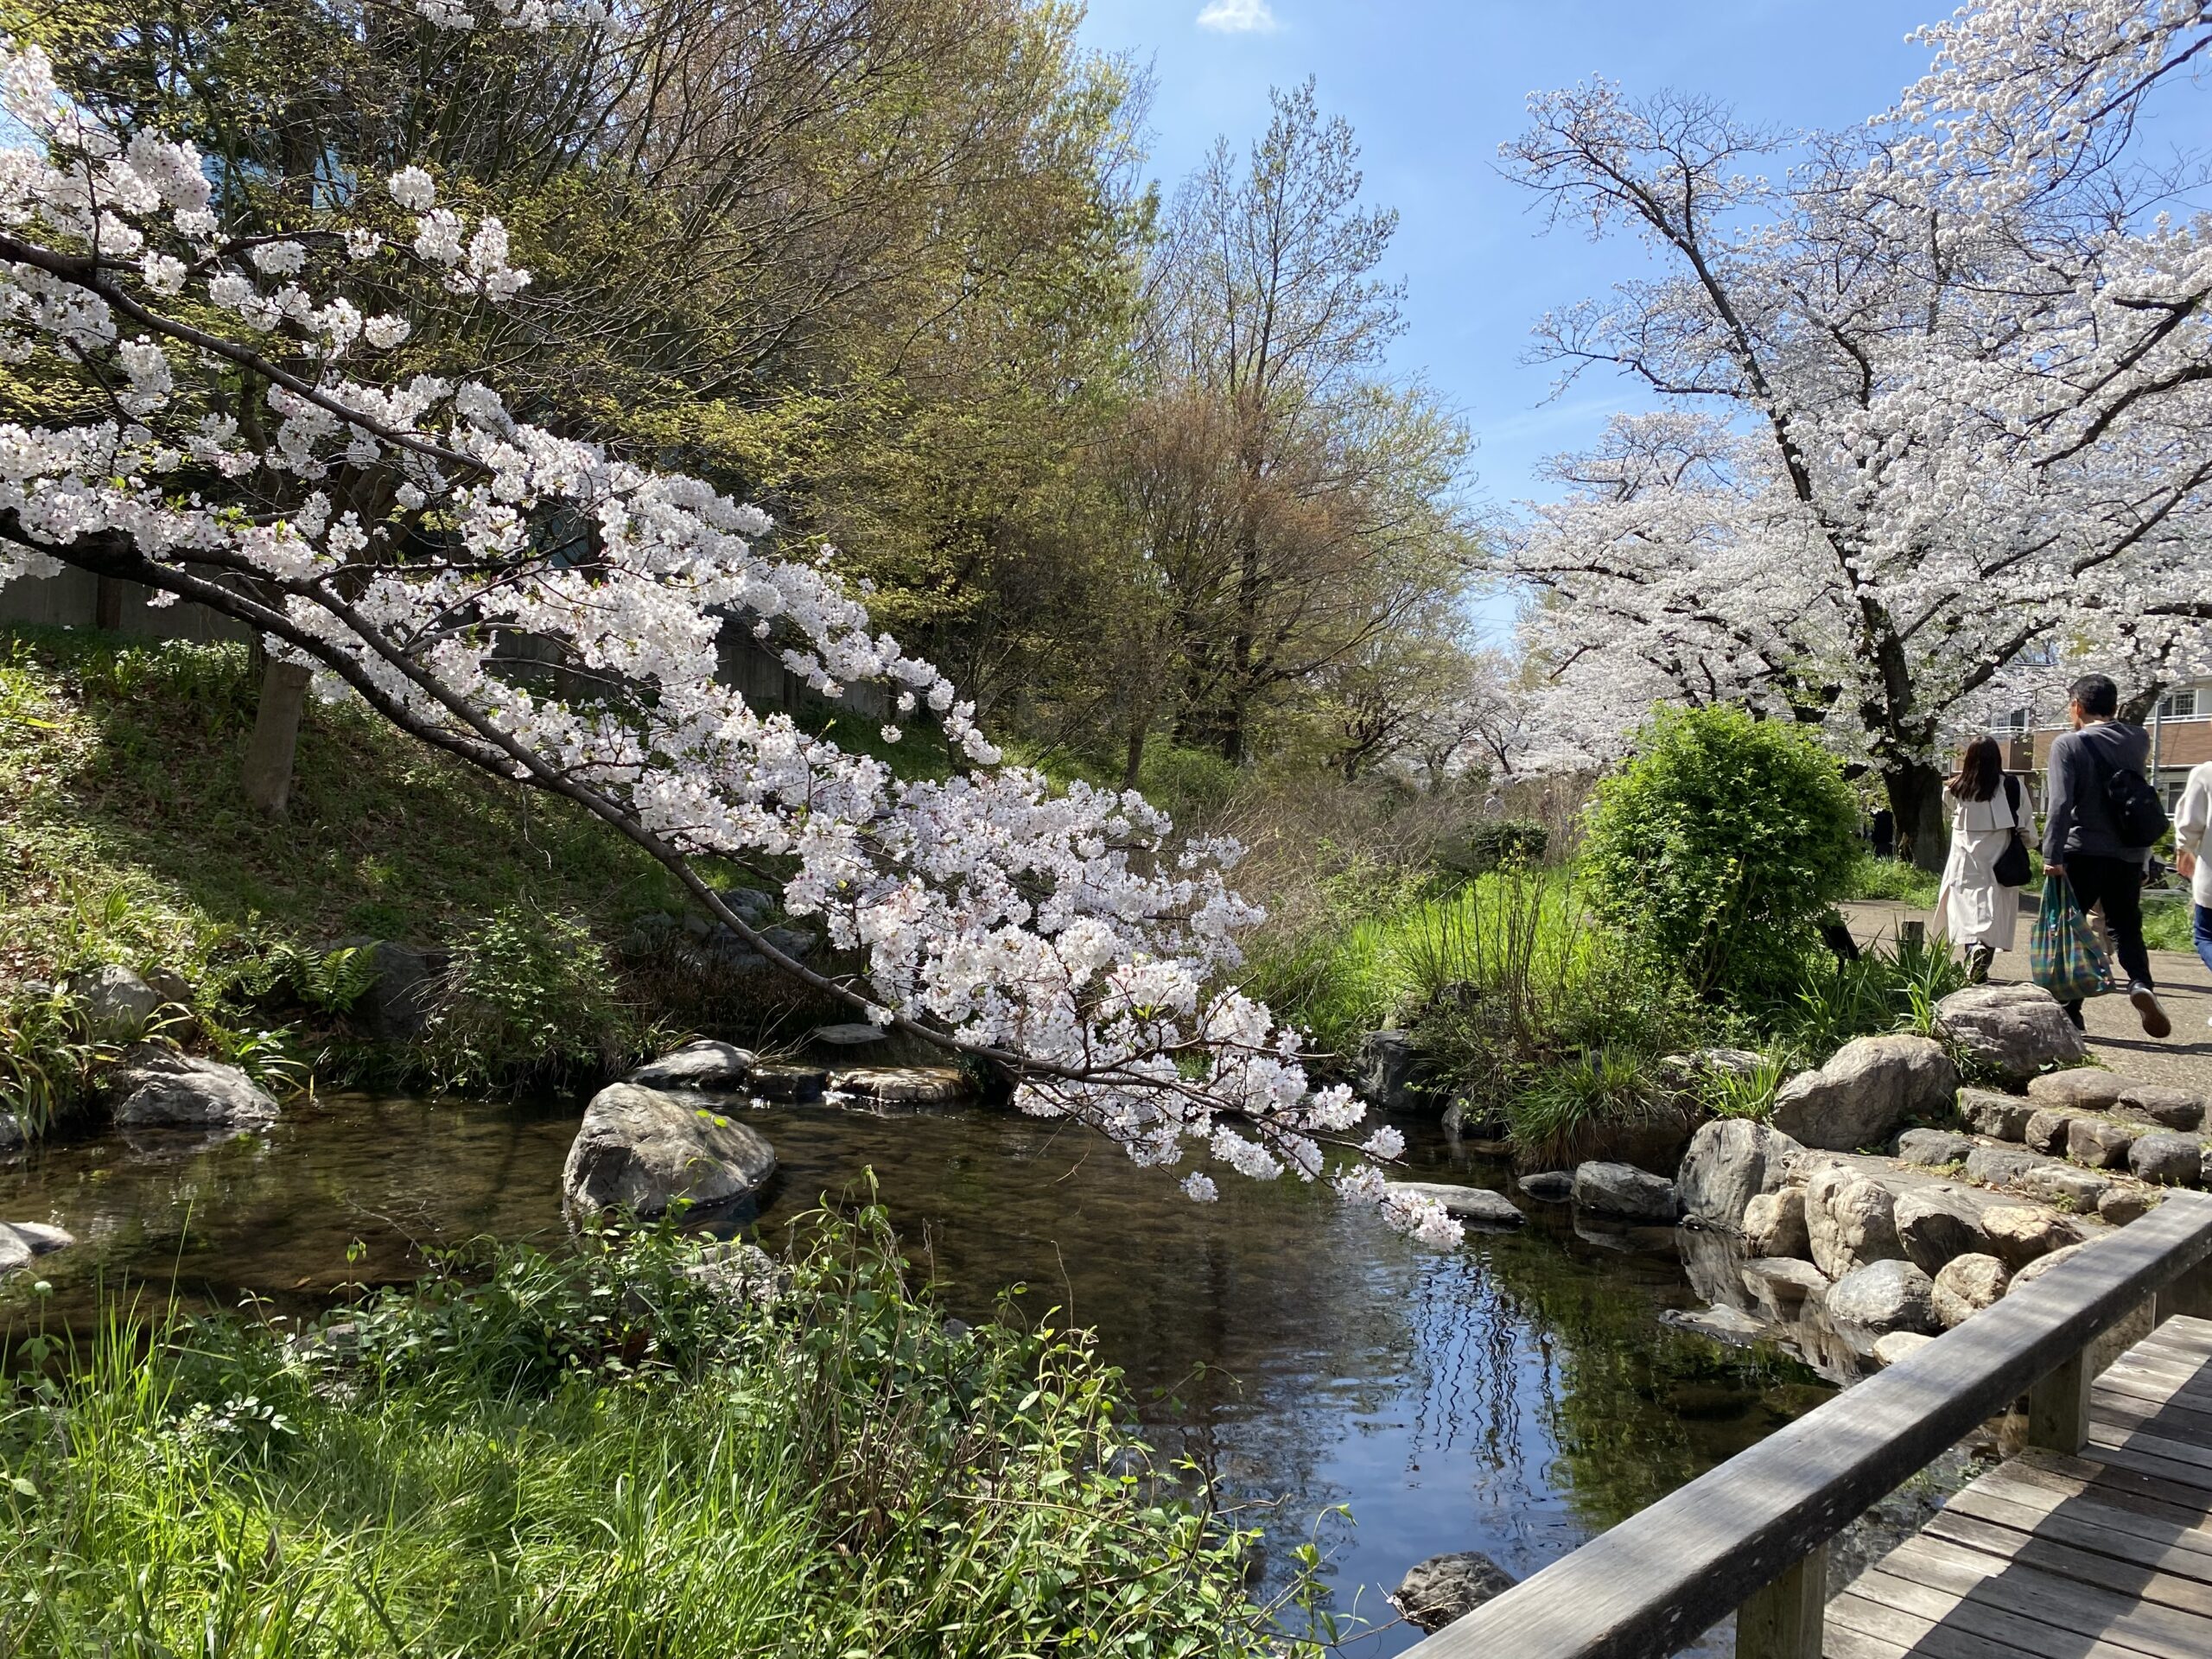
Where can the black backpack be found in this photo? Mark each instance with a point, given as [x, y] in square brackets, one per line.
[2138, 816]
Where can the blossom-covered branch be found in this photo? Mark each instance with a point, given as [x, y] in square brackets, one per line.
[243, 446]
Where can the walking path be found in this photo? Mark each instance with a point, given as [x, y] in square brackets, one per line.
[2106, 1555]
[2116, 1038]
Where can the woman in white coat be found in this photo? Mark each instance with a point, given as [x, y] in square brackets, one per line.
[1975, 910]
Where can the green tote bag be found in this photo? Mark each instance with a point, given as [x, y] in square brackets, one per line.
[2063, 956]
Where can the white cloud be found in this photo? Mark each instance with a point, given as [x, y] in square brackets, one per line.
[1238, 18]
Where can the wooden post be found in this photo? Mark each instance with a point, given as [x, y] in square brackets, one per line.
[107, 603]
[1915, 933]
[2058, 1408]
[1784, 1620]
[2189, 1296]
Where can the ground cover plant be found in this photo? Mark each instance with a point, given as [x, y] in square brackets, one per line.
[603, 1453]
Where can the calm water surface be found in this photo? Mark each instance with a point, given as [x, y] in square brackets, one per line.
[1514, 1397]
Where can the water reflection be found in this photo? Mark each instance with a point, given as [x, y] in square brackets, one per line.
[1515, 1397]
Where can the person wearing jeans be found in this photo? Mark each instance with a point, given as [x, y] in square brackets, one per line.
[2191, 822]
[2081, 843]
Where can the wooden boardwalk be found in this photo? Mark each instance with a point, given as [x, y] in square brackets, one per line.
[2106, 1555]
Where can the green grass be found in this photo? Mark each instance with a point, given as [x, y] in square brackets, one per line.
[598, 1455]
[1892, 878]
[2168, 924]
[127, 836]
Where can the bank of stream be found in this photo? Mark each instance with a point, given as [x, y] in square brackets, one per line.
[1514, 1397]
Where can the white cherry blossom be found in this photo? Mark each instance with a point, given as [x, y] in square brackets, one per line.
[392, 534]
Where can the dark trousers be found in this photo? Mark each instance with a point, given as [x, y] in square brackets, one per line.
[2117, 884]
[2202, 929]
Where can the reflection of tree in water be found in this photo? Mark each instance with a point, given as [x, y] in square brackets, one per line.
[1633, 1406]
[1511, 1396]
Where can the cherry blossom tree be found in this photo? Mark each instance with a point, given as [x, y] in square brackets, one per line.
[393, 534]
[1931, 405]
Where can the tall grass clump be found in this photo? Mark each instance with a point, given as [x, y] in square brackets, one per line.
[1831, 1001]
[1528, 1002]
[625, 1452]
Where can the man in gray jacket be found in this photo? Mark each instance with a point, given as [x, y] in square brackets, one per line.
[2079, 843]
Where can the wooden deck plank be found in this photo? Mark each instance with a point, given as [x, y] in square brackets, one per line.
[2101, 1569]
[2128, 1397]
[2193, 1421]
[1951, 1626]
[1986, 1581]
[2107, 1556]
[2035, 1472]
[1856, 1617]
[2121, 1437]
[2114, 1483]
[2086, 1524]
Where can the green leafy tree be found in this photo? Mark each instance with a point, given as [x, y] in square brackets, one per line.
[1720, 846]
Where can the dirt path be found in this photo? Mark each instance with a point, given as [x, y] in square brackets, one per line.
[2116, 1038]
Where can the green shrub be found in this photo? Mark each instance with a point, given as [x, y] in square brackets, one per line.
[1720, 845]
[1560, 1115]
[48, 1060]
[602, 1453]
[530, 1001]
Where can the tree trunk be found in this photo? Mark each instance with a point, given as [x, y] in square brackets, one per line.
[266, 775]
[1916, 792]
[107, 604]
[1133, 762]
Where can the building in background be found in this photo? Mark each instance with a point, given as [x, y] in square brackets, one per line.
[2180, 737]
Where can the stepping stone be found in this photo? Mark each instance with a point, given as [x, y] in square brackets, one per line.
[904, 1085]
[2170, 1108]
[2082, 1088]
[1934, 1146]
[788, 1082]
[855, 1035]
[2164, 1159]
[1476, 1204]
[2002, 1117]
[2099, 1143]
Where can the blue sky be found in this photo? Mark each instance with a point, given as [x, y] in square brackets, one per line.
[1432, 89]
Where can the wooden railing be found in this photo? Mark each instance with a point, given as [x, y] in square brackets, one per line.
[1751, 1535]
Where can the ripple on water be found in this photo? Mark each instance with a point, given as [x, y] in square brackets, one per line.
[1513, 1396]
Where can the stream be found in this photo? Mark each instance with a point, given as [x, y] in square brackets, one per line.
[1515, 1397]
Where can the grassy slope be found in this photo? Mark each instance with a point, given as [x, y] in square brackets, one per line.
[126, 839]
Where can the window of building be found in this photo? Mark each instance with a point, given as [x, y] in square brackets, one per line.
[2016, 721]
[2178, 705]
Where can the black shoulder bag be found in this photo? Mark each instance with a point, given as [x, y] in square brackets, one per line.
[2012, 868]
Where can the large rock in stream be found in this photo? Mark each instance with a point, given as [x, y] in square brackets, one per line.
[707, 1064]
[156, 1088]
[1730, 1162]
[1884, 1297]
[2016, 1032]
[1624, 1193]
[1475, 1204]
[1868, 1087]
[642, 1149]
[1435, 1592]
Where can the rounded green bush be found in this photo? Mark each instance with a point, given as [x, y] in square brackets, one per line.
[1720, 845]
